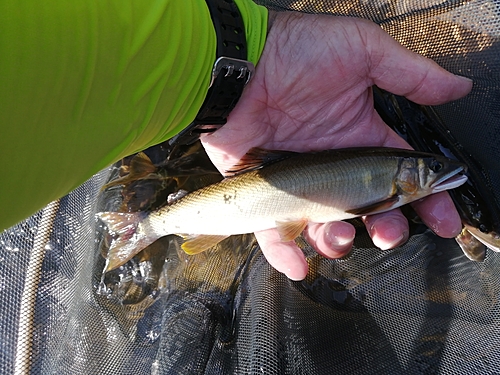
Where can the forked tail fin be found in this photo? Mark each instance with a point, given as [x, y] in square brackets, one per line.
[129, 236]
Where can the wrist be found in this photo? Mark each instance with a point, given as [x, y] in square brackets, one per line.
[241, 30]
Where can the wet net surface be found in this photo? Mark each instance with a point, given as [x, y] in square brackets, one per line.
[421, 309]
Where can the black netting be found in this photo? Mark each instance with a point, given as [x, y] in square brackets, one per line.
[422, 308]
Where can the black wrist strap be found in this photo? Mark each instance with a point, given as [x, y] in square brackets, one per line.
[230, 74]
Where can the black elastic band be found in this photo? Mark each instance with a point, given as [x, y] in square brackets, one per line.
[227, 87]
[229, 27]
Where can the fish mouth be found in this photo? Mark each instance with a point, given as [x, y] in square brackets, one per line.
[450, 180]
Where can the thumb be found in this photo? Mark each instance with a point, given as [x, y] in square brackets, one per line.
[403, 72]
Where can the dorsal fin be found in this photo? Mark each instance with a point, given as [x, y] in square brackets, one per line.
[257, 158]
[141, 167]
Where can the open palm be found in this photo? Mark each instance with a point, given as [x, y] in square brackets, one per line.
[312, 91]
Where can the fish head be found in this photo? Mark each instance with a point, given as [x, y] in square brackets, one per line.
[473, 249]
[489, 238]
[428, 174]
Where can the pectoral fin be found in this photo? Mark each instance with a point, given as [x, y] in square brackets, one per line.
[197, 244]
[290, 230]
[381, 206]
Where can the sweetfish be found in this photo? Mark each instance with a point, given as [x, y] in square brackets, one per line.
[286, 190]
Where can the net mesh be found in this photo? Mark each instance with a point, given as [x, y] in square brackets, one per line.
[422, 308]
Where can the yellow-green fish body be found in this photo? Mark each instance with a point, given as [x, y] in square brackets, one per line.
[288, 194]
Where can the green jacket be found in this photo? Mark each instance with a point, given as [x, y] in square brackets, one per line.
[84, 83]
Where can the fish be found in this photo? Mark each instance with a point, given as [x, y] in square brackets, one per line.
[287, 191]
[425, 131]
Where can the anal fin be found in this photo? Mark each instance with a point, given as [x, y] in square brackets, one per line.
[381, 206]
[199, 243]
[290, 230]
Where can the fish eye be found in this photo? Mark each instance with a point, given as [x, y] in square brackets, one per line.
[436, 166]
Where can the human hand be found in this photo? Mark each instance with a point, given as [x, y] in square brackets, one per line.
[312, 91]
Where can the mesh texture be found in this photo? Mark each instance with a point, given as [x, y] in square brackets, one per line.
[422, 308]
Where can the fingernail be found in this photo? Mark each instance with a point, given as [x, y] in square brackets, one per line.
[342, 236]
[443, 223]
[391, 236]
[294, 275]
[463, 78]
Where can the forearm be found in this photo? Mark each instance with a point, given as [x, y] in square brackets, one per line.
[82, 84]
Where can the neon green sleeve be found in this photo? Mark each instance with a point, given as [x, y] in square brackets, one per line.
[84, 83]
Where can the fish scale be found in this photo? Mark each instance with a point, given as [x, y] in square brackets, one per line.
[287, 192]
[256, 200]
